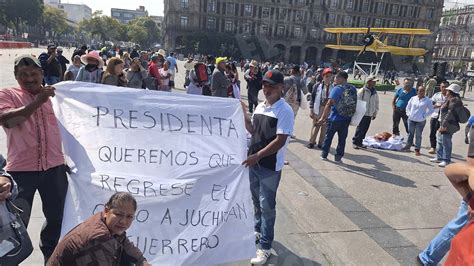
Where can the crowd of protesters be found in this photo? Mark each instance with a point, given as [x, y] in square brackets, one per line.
[276, 91]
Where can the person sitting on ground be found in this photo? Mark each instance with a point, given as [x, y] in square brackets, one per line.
[92, 69]
[136, 74]
[113, 74]
[102, 237]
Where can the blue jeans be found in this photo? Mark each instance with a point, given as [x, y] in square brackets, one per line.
[263, 186]
[51, 80]
[440, 245]
[414, 130]
[444, 146]
[342, 128]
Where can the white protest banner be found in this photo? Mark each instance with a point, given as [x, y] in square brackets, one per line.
[179, 155]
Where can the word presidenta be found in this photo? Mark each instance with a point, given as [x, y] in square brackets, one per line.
[165, 122]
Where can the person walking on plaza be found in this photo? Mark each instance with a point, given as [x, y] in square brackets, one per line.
[35, 157]
[73, 69]
[399, 105]
[92, 69]
[165, 76]
[220, 84]
[172, 69]
[136, 74]
[438, 100]
[80, 52]
[449, 125]
[113, 74]
[62, 61]
[430, 86]
[51, 66]
[97, 238]
[338, 112]
[266, 158]
[319, 98]
[368, 94]
[188, 66]
[154, 72]
[418, 109]
[293, 89]
[253, 76]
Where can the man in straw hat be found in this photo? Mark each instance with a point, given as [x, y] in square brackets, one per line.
[35, 157]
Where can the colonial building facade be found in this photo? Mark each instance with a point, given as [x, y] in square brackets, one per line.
[455, 39]
[292, 30]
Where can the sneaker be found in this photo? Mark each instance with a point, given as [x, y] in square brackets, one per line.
[356, 147]
[435, 160]
[293, 137]
[417, 152]
[324, 158]
[310, 146]
[432, 151]
[257, 237]
[320, 146]
[406, 149]
[443, 164]
[261, 258]
[338, 160]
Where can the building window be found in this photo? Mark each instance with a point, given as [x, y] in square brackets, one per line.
[350, 4]
[184, 3]
[347, 20]
[380, 7]
[407, 24]
[246, 28]
[184, 21]
[392, 24]
[404, 41]
[211, 6]
[300, 2]
[282, 14]
[317, 17]
[378, 22]
[332, 18]
[230, 8]
[410, 11]
[248, 10]
[365, 5]
[264, 29]
[429, 13]
[265, 12]
[299, 15]
[281, 30]
[297, 32]
[363, 22]
[127, 15]
[334, 3]
[229, 25]
[116, 14]
[395, 10]
[211, 23]
[314, 33]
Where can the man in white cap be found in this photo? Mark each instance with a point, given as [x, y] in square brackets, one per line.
[449, 125]
[368, 93]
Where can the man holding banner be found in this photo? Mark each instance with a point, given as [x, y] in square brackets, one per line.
[35, 158]
[271, 124]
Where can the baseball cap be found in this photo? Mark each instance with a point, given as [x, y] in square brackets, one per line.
[327, 70]
[273, 77]
[27, 60]
[51, 45]
[221, 59]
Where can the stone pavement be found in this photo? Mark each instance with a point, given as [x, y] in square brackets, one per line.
[377, 208]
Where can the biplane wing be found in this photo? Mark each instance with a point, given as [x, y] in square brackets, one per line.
[386, 49]
[379, 30]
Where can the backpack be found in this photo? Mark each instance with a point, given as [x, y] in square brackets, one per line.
[463, 114]
[201, 73]
[346, 106]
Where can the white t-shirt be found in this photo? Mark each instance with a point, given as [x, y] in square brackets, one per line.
[268, 122]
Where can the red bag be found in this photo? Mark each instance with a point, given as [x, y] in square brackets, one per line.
[201, 72]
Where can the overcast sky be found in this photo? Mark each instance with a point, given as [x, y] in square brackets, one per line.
[154, 7]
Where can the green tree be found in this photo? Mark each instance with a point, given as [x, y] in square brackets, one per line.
[19, 13]
[144, 31]
[54, 20]
[105, 27]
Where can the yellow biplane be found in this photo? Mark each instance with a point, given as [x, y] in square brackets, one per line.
[373, 43]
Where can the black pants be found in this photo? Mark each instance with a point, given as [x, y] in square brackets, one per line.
[434, 126]
[361, 130]
[397, 114]
[252, 98]
[52, 186]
